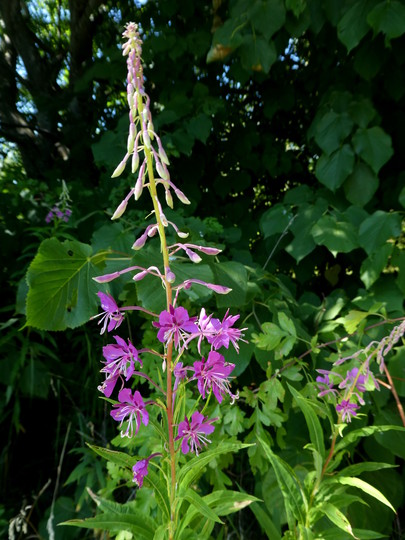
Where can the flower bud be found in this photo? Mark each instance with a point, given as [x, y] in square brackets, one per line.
[170, 276]
[135, 161]
[162, 153]
[169, 198]
[192, 255]
[180, 195]
[146, 139]
[162, 171]
[120, 210]
[120, 168]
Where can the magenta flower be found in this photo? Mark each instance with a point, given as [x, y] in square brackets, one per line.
[131, 408]
[213, 374]
[325, 383]
[347, 409]
[225, 332]
[174, 325]
[120, 360]
[140, 470]
[351, 377]
[194, 433]
[111, 314]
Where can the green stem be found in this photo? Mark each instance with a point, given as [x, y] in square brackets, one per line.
[169, 354]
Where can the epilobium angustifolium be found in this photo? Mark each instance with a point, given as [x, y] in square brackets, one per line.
[175, 328]
[349, 388]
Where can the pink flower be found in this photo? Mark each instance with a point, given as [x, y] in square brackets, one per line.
[194, 433]
[213, 374]
[347, 409]
[120, 360]
[140, 470]
[111, 314]
[225, 332]
[133, 407]
[174, 325]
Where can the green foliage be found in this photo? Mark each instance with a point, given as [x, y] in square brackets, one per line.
[289, 141]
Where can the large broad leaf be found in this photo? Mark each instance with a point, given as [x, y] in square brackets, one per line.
[375, 263]
[331, 130]
[333, 170]
[62, 293]
[267, 17]
[377, 229]
[338, 236]
[353, 25]
[374, 146]
[388, 18]
[361, 185]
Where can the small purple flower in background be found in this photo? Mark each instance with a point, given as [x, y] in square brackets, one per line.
[174, 324]
[140, 470]
[194, 433]
[213, 374]
[133, 407]
[324, 382]
[351, 377]
[347, 410]
[111, 314]
[120, 360]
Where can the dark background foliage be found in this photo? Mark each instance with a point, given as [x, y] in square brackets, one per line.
[283, 121]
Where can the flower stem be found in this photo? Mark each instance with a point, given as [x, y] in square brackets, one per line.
[169, 354]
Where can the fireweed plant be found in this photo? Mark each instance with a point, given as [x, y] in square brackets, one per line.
[182, 431]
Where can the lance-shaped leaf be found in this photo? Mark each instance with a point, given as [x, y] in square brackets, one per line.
[194, 467]
[61, 292]
[111, 521]
[294, 497]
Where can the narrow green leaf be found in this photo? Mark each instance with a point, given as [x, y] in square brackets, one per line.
[289, 485]
[311, 418]
[201, 506]
[337, 517]
[192, 469]
[222, 502]
[133, 522]
[353, 436]
[119, 458]
[367, 466]
[266, 524]
[367, 488]
[153, 480]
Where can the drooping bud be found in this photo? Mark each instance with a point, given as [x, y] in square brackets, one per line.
[146, 139]
[180, 195]
[162, 171]
[120, 168]
[192, 255]
[139, 183]
[169, 198]
[170, 276]
[162, 153]
[106, 278]
[135, 161]
[120, 210]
